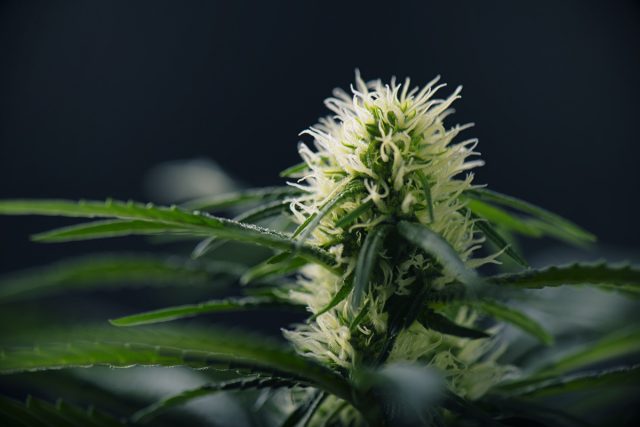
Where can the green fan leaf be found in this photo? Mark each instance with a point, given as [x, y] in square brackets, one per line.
[191, 310]
[436, 321]
[564, 228]
[619, 376]
[193, 347]
[256, 382]
[367, 257]
[112, 272]
[618, 344]
[439, 249]
[107, 229]
[516, 318]
[229, 200]
[623, 277]
[171, 216]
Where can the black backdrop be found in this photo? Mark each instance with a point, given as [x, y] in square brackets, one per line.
[94, 93]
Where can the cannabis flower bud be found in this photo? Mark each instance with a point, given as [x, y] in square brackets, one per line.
[383, 157]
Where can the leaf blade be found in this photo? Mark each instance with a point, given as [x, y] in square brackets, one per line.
[146, 414]
[576, 382]
[432, 320]
[621, 276]
[366, 261]
[560, 223]
[494, 236]
[189, 221]
[440, 249]
[109, 271]
[190, 310]
[516, 318]
[193, 347]
[105, 229]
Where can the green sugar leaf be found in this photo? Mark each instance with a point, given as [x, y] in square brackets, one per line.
[367, 257]
[438, 248]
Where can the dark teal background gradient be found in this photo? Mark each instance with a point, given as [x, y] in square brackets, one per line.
[93, 94]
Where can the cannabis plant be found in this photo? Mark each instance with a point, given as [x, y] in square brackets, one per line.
[405, 275]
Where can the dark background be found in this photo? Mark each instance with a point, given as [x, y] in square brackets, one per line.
[93, 94]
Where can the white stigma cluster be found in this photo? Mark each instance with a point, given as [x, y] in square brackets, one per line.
[392, 139]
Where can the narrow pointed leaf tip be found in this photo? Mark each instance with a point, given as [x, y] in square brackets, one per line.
[436, 321]
[500, 242]
[174, 217]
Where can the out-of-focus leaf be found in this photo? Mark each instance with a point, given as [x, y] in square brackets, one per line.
[516, 318]
[269, 270]
[193, 347]
[148, 413]
[301, 416]
[620, 343]
[408, 392]
[522, 412]
[196, 222]
[228, 200]
[564, 228]
[294, 170]
[623, 277]
[190, 310]
[108, 229]
[36, 413]
[261, 212]
[619, 376]
[112, 272]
